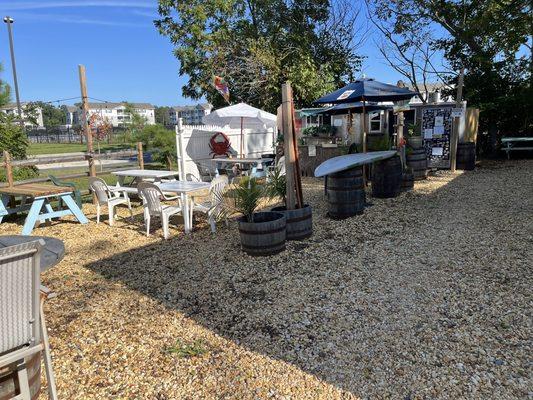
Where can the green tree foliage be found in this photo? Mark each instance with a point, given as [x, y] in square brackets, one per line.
[135, 124]
[491, 39]
[161, 115]
[13, 138]
[256, 45]
[52, 116]
[160, 141]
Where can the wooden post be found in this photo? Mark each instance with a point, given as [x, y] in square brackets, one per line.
[140, 156]
[455, 131]
[290, 156]
[9, 170]
[180, 149]
[84, 123]
[399, 137]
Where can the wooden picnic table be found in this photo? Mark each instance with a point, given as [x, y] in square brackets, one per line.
[40, 208]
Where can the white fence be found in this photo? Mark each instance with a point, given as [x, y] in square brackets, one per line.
[198, 153]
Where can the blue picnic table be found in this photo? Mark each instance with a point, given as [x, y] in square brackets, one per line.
[36, 199]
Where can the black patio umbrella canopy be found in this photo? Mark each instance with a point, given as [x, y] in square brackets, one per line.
[366, 90]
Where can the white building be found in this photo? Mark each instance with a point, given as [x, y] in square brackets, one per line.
[31, 114]
[191, 115]
[71, 114]
[115, 113]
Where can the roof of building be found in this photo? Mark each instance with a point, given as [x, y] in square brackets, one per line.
[10, 106]
[202, 106]
[109, 105]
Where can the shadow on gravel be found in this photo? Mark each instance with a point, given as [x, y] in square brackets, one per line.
[303, 306]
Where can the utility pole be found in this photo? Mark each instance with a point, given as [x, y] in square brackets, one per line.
[9, 21]
[85, 122]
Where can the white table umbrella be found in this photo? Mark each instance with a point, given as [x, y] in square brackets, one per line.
[237, 116]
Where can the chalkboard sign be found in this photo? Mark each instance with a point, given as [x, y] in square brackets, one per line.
[436, 131]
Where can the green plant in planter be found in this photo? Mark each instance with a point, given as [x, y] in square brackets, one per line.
[244, 198]
[317, 131]
[414, 130]
[276, 186]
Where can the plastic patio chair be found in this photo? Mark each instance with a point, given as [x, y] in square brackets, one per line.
[214, 205]
[108, 196]
[77, 194]
[151, 195]
[23, 328]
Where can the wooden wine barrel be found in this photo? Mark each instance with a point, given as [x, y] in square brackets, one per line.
[408, 181]
[466, 156]
[299, 222]
[387, 177]
[346, 193]
[418, 162]
[265, 236]
[9, 386]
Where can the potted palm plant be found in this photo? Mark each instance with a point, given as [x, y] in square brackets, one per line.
[262, 233]
[414, 136]
[300, 220]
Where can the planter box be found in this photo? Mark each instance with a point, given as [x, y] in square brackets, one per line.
[299, 222]
[265, 236]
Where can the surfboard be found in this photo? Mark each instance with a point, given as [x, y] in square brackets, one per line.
[341, 163]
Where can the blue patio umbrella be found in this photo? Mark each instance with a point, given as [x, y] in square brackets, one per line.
[364, 90]
[356, 107]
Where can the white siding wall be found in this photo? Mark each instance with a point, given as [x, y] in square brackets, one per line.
[196, 141]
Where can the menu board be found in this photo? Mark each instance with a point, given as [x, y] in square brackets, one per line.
[437, 130]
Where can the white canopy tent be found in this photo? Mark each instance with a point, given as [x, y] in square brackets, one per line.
[241, 116]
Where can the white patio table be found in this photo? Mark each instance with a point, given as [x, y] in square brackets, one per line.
[140, 174]
[184, 188]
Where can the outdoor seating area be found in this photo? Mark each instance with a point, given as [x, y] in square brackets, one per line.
[360, 309]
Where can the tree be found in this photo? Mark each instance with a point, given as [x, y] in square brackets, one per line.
[52, 116]
[12, 137]
[256, 45]
[161, 115]
[491, 40]
[136, 121]
[161, 141]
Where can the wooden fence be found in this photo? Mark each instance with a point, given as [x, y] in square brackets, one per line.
[9, 164]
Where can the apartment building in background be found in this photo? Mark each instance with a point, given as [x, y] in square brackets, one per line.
[191, 115]
[31, 115]
[115, 113]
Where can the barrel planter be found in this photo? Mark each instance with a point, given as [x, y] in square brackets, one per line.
[387, 178]
[417, 161]
[466, 156]
[265, 236]
[9, 386]
[415, 142]
[408, 181]
[346, 193]
[299, 222]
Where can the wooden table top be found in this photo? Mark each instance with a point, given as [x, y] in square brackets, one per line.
[34, 190]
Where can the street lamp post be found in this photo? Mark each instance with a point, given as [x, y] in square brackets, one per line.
[9, 21]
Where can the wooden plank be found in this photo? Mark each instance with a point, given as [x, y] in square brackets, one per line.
[34, 190]
[288, 144]
[140, 157]
[9, 170]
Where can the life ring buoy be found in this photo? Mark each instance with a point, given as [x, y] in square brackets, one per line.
[219, 144]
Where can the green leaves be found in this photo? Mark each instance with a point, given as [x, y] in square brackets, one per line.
[256, 45]
[245, 197]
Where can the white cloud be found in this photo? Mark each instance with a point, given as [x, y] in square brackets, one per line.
[76, 19]
[34, 5]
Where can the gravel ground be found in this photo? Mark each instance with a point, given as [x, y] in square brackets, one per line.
[424, 296]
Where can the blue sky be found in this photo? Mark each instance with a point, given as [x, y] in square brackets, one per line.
[125, 57]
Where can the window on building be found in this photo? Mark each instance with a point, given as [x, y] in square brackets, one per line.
[375, 121]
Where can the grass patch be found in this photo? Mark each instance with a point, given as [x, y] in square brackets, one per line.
[187, 349]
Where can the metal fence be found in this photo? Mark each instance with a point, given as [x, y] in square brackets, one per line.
[68, 134]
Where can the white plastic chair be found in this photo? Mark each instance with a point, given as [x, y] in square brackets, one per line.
[151, 196]
[108, 196]
[22, 326]
[214, 205]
